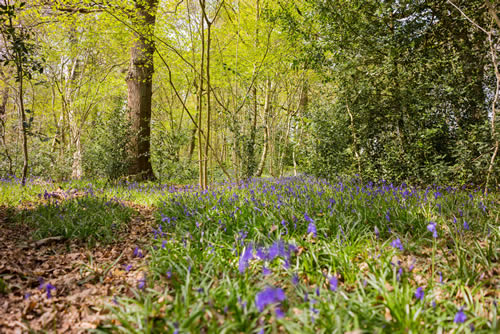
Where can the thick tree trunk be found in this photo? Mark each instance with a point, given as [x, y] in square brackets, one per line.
[140, 88]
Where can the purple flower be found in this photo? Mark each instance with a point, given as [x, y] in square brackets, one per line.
[466, 226]
[138, 252]
[266, 271]
[49, 287]
[41, 283]
[142, 283]
[397, 244]
[169, 273]
[128, 267]
[460, 317]
[268, 296]
[295, 279]
[334, 283]
[279, 312]
[307, 218]
[311, 228]
[261, 253]
[432, 228]
[419, 294]
[377, 232]
[245, 258]
[412, 265]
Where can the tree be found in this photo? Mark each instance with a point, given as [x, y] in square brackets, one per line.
[407, 82]
[20, 51]
[140, 86]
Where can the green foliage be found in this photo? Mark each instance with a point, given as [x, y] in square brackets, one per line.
[193, 264]
[21, 50]
[328, 152]
[88, 218]
[106, 153]
[415, 81]
[168, 163]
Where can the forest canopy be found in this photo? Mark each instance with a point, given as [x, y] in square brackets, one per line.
[210, 90]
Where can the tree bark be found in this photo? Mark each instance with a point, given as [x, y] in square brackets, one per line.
[22, 121]
[267, 108]
[3, 119]
[76, 168]
[140, 88]
[209, 107]
[494, 137]
[201, 158]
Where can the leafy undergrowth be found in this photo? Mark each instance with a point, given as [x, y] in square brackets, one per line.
[297, 255]
[88, 218]
[306, 256]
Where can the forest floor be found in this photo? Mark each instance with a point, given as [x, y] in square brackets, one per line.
[297, 255]
[85, 278]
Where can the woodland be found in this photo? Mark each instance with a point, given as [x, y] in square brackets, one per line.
[249, 166]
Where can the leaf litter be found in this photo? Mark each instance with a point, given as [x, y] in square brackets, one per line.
[84, 279]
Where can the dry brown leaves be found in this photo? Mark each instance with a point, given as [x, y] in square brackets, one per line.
[82, 290]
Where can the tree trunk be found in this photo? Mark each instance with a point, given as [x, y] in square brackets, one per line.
[76, 167]
[140, 88]
[267, 108]
[3, 119]
[22, 121]
[494, 61]
[357, 157]
[209, 109]
[201, 164]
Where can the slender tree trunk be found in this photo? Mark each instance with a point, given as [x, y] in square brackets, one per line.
[76, 168]
[354, 140]
[3, 120]
[140, 88]
[22, 121]
[192, 141]
[267, 108]
[494, 137]
[200, 104]
[236, 147]
[282, 149]
[209, 109]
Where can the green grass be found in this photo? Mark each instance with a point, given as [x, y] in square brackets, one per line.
[88, 218]
[193, 281]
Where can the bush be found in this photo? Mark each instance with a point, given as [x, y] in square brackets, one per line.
[106, 153]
